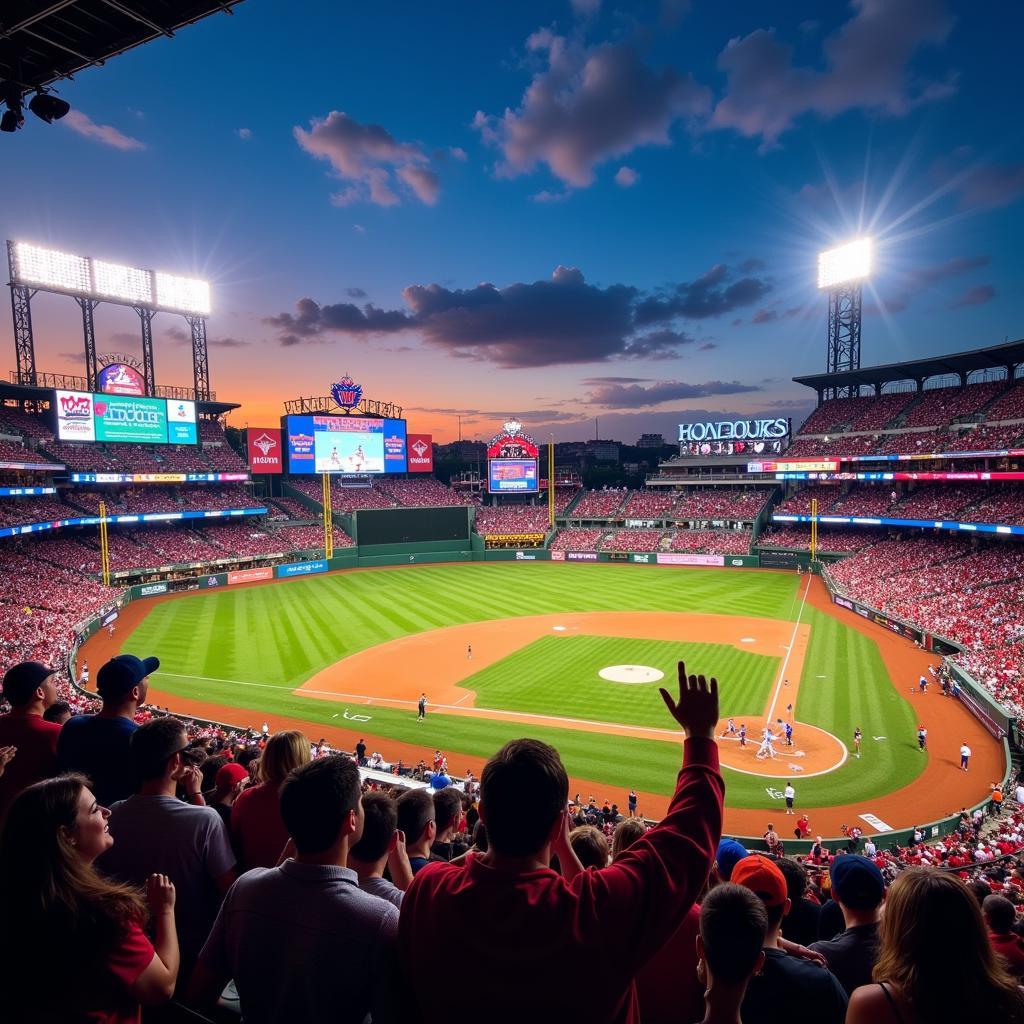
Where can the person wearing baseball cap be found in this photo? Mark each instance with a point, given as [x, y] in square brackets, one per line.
[858, 888]
[787, 988]
[97, 745]
[30, 688]
[228, 783]
[729, 854]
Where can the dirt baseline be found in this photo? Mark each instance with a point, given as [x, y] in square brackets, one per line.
[938, 792]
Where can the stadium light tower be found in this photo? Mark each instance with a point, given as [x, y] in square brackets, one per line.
[841, 272]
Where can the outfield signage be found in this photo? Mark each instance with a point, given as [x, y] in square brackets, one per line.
[301, 568]
[581, 556]
[794, 465]
[936, 524]
[19, 492]
[152, 589]
[109, 618]
[147, 517]
[421, 453]
[642, 559]
[264, 449]
[678, 558]
[735, 430]
[264, 572]
[35, 466]
[522, 556]
[158, 478]
[557, 556]
[999, 453]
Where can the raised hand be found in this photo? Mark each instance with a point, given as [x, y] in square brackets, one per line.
[696, 710]
[6, 756]
[160, 894]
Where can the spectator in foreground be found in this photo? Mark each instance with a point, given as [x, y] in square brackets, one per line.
[381, 845]
[801, 923]
[228, 783]
[302, 941]
[733, 924]
[155, 831]
[858, 888]
[788, 988]
[935, 961]
[58, 712]
[257, 828]
[417, 820]
[533, 928]
[97, 745]
[30, 688]
[447, 816]
[999, 914]
[626, 833]
[59, 910]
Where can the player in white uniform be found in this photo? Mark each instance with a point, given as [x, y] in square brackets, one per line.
[730, 729]
[766, 749]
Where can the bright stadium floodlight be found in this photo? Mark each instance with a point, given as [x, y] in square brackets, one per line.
[187, 294]
[850, 262]
[50, 268]
[130, 284]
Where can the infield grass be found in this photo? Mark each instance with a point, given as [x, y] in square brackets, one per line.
[249, 648]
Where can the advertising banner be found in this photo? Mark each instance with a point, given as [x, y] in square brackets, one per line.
[181, 422]
[522, 556]
[264, 572]
[74, 416]
[643, 559]
[581, 556]
[677, 558]
[421, 453]
[843, 602]
[152, 589]
[216, 580]
[301, 568]
[109, 617]
[264, 449]
[135, 420]
[557, 556]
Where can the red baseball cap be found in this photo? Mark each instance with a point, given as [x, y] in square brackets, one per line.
[763, 878]
[230, 774]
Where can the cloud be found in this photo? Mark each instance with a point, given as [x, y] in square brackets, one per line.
[498, 415]
[587, 105]
[559, 321]
[245, 134]
[864, 64]
[993, 186]
[975, 296]
[546, 195]
[764, 316]
[179, 336]
[712, 294]
[227, 342]
[921, 279]
[585, 8]
[626, 177]
[105, 133]
[376, 167]
[708, 346]
[618, 396]
[355, 293]
[592, 382]
[124, 338]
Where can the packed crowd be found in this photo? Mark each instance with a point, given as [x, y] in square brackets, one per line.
[157, 860]
[511, 519]
[603, 504]
[798, 538]
[968, 593]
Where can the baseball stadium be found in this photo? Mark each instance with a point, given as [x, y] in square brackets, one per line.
[314, 708]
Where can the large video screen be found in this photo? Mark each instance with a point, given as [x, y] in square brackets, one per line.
[124, 418]
[512, 476]
[345, 444]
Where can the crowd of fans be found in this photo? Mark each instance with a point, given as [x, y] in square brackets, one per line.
[497, 520]
[157, 858]
[798, 538]
[603, 504]
[721, 503]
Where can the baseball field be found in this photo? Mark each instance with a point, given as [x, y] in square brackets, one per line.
[575, 655]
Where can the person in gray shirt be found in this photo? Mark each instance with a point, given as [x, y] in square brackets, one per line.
[155, 832]
[382, 845]
[302, 941]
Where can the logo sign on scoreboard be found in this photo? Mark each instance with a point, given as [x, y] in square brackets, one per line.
[421, 453]
[264, 448]
[512, 461]
[347, 394]
[121, 379]
[735, 437]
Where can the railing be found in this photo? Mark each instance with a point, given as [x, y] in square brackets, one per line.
[71, 382]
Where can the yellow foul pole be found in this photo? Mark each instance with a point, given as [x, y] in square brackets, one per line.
[328, 518]
[104, 545]
[551, 484]
[814, 529]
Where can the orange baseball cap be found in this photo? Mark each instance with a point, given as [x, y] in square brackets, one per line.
[763, 878]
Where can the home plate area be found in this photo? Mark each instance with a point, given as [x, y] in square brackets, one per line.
[631, 674]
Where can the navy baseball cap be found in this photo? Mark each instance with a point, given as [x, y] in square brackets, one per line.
[730, 853]
[121, 674]
[23, 679]
[857, 882]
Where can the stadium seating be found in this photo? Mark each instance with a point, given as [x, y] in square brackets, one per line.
[711, 542]
[576, 539]
[306, 538]
[419, 492]
[604, 504]
[19, 511]
[632, 540]
[648, 504]
[725, 503]
[1009, 405]
[944, 405]
[830, 538]
[511, 519]
[563, 498]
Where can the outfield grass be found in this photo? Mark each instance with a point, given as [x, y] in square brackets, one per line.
[249, 648]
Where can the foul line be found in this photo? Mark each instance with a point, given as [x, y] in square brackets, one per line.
[785, 661]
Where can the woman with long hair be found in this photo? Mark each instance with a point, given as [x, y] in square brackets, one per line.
[257, 829]
[72, 944]
[935, 961]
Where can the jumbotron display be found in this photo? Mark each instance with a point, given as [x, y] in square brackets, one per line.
[735, 437]
[123, 418]
[344, 444]
[513, 459]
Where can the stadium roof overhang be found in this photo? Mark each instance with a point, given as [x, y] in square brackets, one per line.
[960, 363]
[31, 393]
[41, 43]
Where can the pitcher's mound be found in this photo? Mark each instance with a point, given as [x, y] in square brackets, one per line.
[631, 674]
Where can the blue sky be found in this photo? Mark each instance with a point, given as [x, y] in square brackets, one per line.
[388, 190]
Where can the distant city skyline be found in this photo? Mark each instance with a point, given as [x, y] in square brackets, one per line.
[561, 211]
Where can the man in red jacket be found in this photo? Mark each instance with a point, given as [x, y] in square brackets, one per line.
[531, 927]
